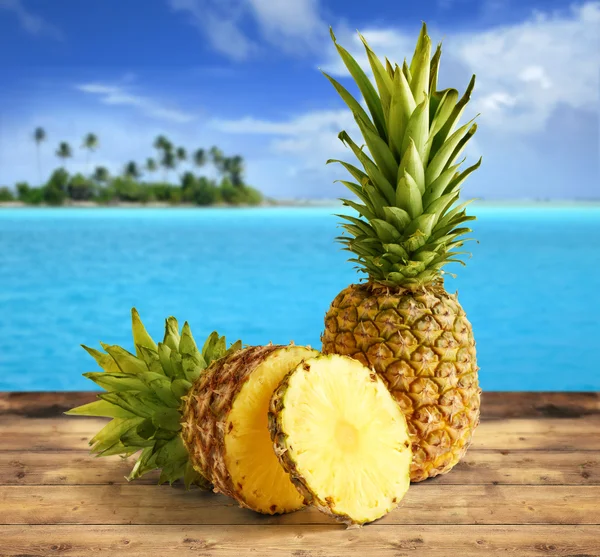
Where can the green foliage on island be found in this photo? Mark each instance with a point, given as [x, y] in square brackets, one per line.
[135, 185]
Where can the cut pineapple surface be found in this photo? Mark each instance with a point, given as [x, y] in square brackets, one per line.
[342, 437]
[254, 468]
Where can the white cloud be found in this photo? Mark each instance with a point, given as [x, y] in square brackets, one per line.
[297, 151]
[116, 95]
[309, 138]
[524, 71]
[221, 26]
[497, 101]
[30, 22]
[550, 60]
[293, 27]
[536, 74]
[322, 120]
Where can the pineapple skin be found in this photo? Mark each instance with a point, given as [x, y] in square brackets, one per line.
[421, 344]
[205, 414]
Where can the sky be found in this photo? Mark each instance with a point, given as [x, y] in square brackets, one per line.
[245, 75]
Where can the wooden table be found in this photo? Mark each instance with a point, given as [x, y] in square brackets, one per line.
[529, 485]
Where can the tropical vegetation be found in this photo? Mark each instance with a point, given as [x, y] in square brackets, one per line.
[137, 182]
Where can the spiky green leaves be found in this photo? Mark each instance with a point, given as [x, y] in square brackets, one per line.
[144, 395]
[407, 227]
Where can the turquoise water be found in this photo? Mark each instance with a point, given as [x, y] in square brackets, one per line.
[70, 276]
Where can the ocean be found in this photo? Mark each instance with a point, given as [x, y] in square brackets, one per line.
[70, 277]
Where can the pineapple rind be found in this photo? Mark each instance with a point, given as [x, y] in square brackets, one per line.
[303, 479]
[421, 344]
[145, 398]
[207, 411]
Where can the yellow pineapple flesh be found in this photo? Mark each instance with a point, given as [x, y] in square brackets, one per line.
[249, 454]
[342, 438]
[226, 429]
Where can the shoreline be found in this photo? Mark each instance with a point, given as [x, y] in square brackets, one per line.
[297, 203]
[166, 205]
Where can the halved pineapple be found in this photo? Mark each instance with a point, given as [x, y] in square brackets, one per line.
[342, 438]
[198, 415]
[262, 483]
[226, 430]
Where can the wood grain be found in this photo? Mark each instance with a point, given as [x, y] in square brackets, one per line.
[423, 504]
[498, 467]
[300, 541]
[528, 486]
[495, 405]
[514, 434]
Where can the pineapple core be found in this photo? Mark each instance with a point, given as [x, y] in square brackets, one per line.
[347, 437]
[249, 454]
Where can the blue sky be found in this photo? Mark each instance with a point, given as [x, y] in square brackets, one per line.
[244, 75]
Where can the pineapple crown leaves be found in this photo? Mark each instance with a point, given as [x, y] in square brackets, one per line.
[144, 395]
[410, 223]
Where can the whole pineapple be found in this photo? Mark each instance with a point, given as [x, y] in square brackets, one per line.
[401, 322]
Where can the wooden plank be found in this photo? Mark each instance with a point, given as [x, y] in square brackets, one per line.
[495, 405]
[42, 404]
[424, 504]
[551, 434]
[504, 467]
[67, 468]
[300, 541]
[502, 405]
[498, 467]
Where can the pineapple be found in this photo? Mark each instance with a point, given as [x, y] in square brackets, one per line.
[401, 322]
[342, 438]
[199, 415]
[273, 427]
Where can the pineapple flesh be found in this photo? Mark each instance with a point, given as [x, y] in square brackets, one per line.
[226, 429]
[342, 438]
[409, 224]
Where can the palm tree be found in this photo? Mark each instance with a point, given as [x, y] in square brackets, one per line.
[90, 142]
[200, 157]
[64, 152]
[39, 135]
[234, 166]
[217, 159]
[164, 146]
[100, 174]
[161, 142]
[132, 170]
[180, 155]
[168, 162]
[151, 165]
